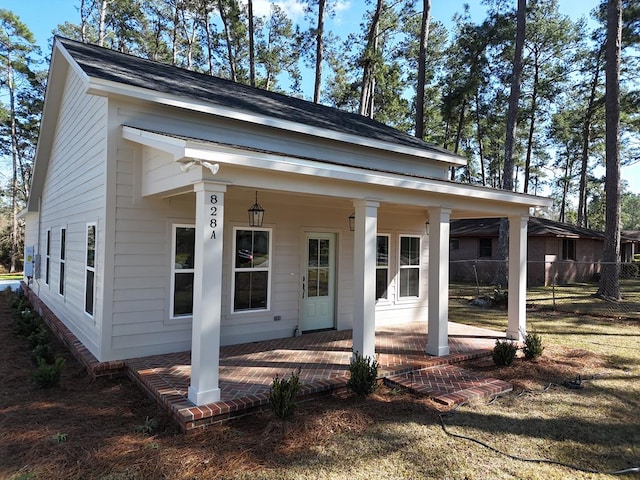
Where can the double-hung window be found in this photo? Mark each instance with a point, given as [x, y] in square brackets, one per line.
[63, 259]
[90, 269]
[251, 269]
[569, 249]
[409, 267]
[182, 264]
[484, 248]
[382, 266]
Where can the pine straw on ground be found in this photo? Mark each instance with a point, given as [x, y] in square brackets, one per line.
[103, 422]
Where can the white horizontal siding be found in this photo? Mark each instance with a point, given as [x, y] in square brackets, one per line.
[73, 195]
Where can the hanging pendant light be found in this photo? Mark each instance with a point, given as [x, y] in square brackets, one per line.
[256, 214]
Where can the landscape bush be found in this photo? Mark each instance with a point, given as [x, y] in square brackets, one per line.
[532, 346]
[504, 352]
[363, 375]
[283, 395]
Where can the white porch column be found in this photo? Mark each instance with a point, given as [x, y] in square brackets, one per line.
[517, 309]
[364, 277]
[438, 308]
[207, 292]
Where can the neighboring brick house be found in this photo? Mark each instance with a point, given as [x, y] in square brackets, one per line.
[557, 252]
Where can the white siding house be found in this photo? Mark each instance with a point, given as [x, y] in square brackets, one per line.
[139, 218]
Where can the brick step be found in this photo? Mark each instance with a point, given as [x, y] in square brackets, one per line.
[450, 384]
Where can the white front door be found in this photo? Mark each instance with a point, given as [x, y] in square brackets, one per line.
[318, 282]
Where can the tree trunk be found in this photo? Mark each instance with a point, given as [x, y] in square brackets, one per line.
[512, 121]
[586, 139]
[14, 161]
[422, 60]
[319, 51]
[227, 36]
[102, 26]
[480, 141]
[252, 58]
[368, 73]
[532, 123]
[610, 274]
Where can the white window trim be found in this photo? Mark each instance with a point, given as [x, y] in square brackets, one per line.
[385, 301]
[87, 268]
[47, 258]
[269, 270]
[62, 271]
[412, 298]
[174, 228]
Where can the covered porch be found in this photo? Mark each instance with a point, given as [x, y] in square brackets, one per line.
[247, 370]
[412, 207]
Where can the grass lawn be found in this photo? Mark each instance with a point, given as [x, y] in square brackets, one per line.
[11, 276]
[85, 429]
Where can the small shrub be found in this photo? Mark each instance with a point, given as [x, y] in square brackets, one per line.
[149, 426]
[47, 376]
[283, 395]
[532, 346]
[39, 336]
[44, 352]
[26, 323]
[504, 353]
[60, 437]
[363, 375]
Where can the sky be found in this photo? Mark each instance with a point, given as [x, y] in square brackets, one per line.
[42, 17]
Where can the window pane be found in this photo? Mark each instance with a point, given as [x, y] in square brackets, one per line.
[261, 249]
[312, 283]
[382, 251]
[46, 271]
[244, 249]
[409, 278]
[251, 290]
[183, 294]
[48, 242]
[63, 243]
[323, 282]
[381, 283]
[91, 245]
[324, 253]
[185, 247]
[409, 251]
[312, 260]
[61, 283]
[88, 294]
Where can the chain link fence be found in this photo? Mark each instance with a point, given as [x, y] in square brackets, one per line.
[569, 286]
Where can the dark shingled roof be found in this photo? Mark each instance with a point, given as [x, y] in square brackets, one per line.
[537, 227]
[106, 64]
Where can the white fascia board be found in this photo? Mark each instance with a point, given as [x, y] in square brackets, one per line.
[174, 146]
[106, 87]
[268, 161]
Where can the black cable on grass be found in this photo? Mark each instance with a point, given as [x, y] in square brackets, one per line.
[569, 384]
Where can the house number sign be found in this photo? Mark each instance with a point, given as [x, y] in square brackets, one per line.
[213, 215]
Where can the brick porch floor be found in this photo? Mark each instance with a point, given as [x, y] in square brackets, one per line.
[247, 370]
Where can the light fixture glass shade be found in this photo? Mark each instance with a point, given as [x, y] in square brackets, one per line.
[256, 214]
[352, 221]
